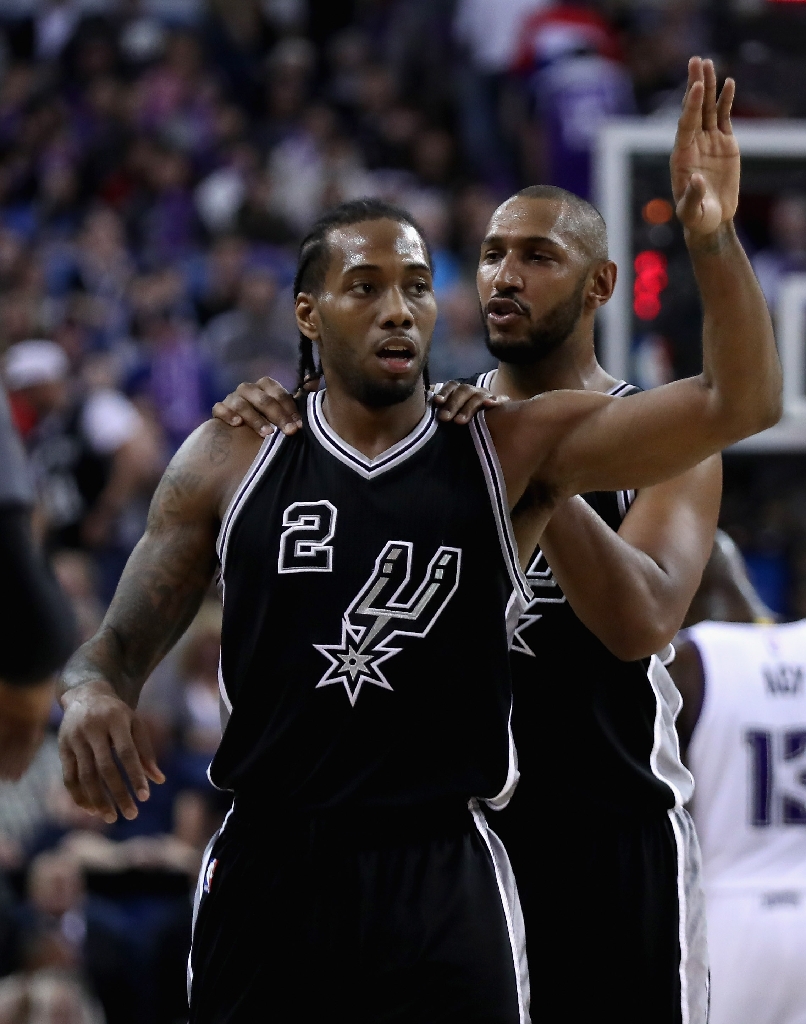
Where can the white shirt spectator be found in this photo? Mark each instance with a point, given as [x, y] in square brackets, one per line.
[490, 30]
[109, 420]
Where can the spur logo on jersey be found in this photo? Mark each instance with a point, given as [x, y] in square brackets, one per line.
[546, 591]
[380, 614]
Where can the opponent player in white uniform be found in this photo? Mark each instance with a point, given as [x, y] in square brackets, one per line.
[744, 690]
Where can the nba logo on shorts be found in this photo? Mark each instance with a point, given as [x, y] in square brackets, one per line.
[208, 875]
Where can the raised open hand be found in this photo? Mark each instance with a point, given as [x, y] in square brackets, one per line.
[705, 159]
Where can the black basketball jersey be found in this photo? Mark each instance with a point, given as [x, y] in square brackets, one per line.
[366, 608]
[584, 719]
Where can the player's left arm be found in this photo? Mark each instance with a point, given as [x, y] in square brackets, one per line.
[632, 588]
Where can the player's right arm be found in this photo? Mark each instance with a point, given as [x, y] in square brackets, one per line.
[158, 596]
[565, 442]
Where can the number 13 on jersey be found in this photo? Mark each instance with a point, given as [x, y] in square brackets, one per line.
[777, 777]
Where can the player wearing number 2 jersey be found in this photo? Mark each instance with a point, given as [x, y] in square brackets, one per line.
[593, 708]
[744, 718]
[353, 881]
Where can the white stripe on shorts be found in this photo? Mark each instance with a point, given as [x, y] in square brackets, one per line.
[512, 909]
[208, 852]
[691, 902]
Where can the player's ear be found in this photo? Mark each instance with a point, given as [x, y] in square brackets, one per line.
[603, 282]
[307, 316]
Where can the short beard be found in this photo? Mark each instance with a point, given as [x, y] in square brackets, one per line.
[545, 337]
[377, 394]
[380, 395]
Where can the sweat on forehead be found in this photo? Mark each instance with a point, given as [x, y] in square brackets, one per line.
[314, 253]
[356, 243]
[577, 220]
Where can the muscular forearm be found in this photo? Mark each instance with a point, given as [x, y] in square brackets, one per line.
[104, 744]
[740, 360]
[618, 591]
[161, 588]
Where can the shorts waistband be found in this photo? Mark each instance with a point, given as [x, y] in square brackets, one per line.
[362, 825]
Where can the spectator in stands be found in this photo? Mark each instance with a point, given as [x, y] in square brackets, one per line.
[47, 997]
[314, 168]
[91, 451]
[571, 60]
[259, 217]
[172, 380]
[289, 69]
[168, 224]
[244, 343]
[215, 282]
[432, 211]
[460, 350]
[103, 269]
[488, 40]
[177, 97]
[786, 253]
[65, 930]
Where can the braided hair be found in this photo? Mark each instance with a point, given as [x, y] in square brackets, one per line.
[314, 254]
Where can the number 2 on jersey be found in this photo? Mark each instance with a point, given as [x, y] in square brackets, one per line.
[305, 544]
[777, 777]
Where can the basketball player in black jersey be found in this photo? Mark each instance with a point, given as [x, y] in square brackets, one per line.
[358, 555]
[611, 586]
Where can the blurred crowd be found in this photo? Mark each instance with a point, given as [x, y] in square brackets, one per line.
[160, 161]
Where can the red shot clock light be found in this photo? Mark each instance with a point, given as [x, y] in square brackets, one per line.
[650, 280]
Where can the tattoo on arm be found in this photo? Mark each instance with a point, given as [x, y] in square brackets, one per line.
[219, 446]
[160, 591]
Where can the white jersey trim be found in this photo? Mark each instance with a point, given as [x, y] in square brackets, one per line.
[197, 896]
[260, 464]
[666, 743]
[521, 593]
[498, 499]
[356, 460]
[623, 498]
[508, 891]
[222, 689]
[682, 913]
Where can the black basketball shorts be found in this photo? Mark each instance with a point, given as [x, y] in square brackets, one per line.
[400, 918]
[613, 911]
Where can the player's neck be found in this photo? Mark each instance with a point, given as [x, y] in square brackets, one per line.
[372, 430]
[570, 367]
